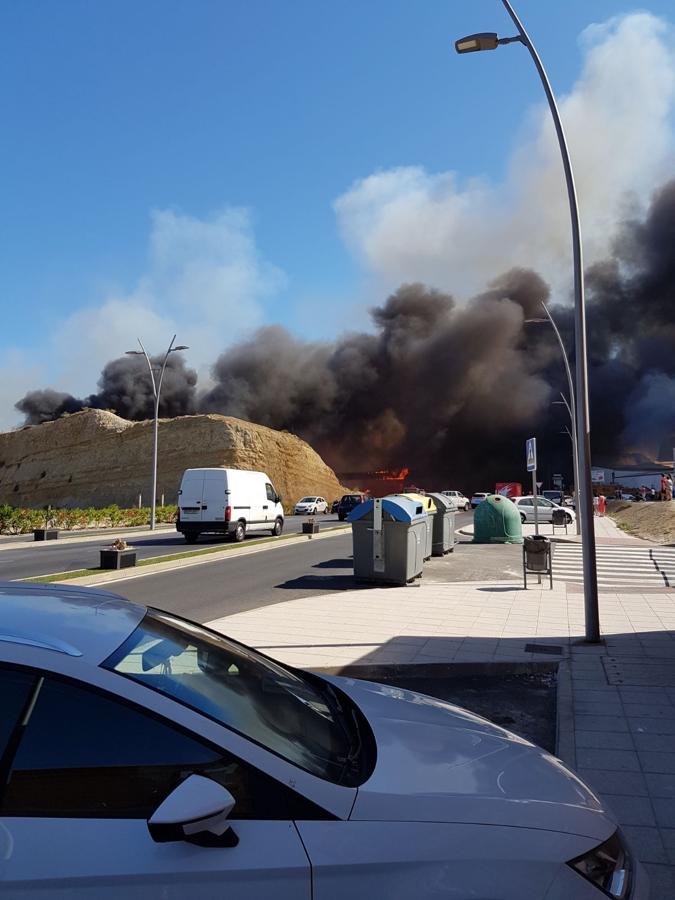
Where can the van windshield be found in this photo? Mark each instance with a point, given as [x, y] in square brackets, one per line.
[298, 716]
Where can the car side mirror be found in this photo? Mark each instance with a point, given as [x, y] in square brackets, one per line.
[279, 499]
[196, 811]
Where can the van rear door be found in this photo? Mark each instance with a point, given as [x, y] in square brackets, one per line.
[191, 496]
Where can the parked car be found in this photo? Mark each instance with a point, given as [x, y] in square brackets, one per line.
[458, 500]
[544, 509]
[347, 504]
[227, 501]
[478, 498]
[192, 765]
[310, 506]
[554, 496]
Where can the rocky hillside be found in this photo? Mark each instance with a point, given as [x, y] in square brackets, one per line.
[94, 458]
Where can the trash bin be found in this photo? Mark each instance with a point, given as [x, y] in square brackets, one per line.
[444, 526]
[537, 556]
[430, 507]
[389, 539]
[497, 521]
[560, 519]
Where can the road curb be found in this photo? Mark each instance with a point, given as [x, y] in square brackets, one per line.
[232, 552]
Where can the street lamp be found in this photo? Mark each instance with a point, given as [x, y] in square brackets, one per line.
[573, 438]
[156, 390]
[490, 41]
[571, 406]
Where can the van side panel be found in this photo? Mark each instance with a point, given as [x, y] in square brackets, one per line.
[206, 493]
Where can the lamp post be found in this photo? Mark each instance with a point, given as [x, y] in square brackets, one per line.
[571, 406]
[156, 391]
[490, 41]
[573, 438]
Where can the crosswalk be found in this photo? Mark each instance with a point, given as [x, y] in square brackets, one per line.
[618, 566]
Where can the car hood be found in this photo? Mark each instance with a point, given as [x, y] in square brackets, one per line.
[437, 762]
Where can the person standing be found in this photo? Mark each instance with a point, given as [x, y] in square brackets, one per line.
[662, 493]
[669, 487]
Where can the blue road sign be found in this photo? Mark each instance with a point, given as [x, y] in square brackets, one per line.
[531, 454]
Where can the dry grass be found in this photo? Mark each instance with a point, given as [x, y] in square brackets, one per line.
[651, 521]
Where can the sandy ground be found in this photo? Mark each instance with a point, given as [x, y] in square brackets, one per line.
[651, 521]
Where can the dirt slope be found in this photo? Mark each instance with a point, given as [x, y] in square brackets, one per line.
[651, 521]
[95, 458]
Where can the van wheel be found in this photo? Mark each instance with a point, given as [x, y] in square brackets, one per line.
[239, 533]
[278, 525]
[191, 537]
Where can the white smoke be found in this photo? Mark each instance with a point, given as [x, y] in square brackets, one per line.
[409, 224]
[205, 282]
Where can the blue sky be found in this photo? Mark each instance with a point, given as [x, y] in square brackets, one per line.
[194, 152]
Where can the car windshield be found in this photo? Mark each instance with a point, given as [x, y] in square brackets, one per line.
[307, 500]
[295, 715]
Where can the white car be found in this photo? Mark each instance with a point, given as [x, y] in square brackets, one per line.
[458, 500]
[145, 756]
[544, 509]
[311, 506]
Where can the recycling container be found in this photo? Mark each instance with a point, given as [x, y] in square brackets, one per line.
[497, 521]
[444, 526]
[389, 539]
[430, 507]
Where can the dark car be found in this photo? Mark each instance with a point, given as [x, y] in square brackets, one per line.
[334, 506]
[347, 504]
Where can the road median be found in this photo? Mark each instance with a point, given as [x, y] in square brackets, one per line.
[185, 559]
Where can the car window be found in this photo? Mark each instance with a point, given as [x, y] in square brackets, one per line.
[542, 501]
[297, 716]
[83, 753]
[526, 501]
[15, 690]
[271, 493]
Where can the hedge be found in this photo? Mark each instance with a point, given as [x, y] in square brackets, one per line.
[15, 520]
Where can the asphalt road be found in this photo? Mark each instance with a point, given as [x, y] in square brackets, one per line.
[65, 555]
[221, 588]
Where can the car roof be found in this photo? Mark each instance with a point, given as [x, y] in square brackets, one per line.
[80, 622]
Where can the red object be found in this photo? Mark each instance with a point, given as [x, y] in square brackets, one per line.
[602, 505]
[228, 513]
[509, 489]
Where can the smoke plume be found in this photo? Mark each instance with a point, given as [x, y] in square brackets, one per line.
[450, 390]
[124, 388]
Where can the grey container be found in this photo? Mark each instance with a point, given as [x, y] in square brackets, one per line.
[403, 541]
[444, 526]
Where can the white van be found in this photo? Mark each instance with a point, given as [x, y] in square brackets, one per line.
[227, 501]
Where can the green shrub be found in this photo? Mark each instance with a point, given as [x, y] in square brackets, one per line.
[15, 520]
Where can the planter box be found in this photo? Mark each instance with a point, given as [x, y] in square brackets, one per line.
[310, 527]
[118, 559]
[45, 534]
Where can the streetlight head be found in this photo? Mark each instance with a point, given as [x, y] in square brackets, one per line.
[534, 321]
[133, 353]
[180, 347]
[485, 40]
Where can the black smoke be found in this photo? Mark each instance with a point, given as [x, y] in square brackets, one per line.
[450, 390]
[125, 388]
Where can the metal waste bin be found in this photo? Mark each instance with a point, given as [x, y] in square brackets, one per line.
[537, 557]
[560, 518]
[444, 526]
[389, 538]
[430, 507]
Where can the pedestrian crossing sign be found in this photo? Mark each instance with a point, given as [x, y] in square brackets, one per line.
[531, 454]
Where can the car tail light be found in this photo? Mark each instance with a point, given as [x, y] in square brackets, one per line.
[228, 513]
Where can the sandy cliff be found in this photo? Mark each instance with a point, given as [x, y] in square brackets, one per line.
[94, 458]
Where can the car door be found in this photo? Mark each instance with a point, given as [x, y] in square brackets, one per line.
[526, 508]
[191, 496]
[83, 773]
[545, 509]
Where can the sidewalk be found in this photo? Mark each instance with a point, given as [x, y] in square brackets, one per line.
[606, 532]
[616, 700]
